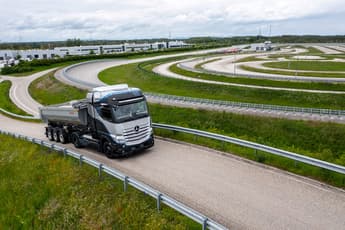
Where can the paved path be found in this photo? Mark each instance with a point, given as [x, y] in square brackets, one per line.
[89, 73]
[238, 193]
[189, 65]
[19, 92]
[327, 50]
[227, 66]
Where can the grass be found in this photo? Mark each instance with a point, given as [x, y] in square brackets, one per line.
[293, 73]
[5, 101]
[259, 82]
[315, 139]
[307, 65]
[149, 82]
[199, 66]
[39, 189]
[249, 59]
[48, 90]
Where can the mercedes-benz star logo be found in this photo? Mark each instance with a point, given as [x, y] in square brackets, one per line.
[136, 128]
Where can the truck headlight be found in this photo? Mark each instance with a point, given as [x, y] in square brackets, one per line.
[119, 139]
[151, 130]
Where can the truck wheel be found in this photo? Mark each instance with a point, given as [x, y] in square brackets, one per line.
[62, 136]
[56, 135]
[76, 141]
[108, 149]
[50, 134]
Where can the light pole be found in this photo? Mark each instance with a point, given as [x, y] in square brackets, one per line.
[235, 64]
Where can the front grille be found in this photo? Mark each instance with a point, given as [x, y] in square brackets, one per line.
[131, 135]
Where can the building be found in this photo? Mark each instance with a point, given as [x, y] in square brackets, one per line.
[266, 46]
[7, 55]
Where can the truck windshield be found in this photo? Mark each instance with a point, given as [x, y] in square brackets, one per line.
[130, 112]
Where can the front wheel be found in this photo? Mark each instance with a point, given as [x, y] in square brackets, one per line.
[76, 140]
[108, 149]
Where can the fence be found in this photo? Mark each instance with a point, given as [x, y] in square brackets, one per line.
[249, 105]
[160, 197]
[256, 146]
[18, 116]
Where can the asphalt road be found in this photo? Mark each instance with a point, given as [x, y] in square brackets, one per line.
[238, 193]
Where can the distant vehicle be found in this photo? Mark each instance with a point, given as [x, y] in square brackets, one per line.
[116, 118]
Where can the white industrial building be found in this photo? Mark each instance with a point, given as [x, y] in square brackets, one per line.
[9, 55]
[266, 46]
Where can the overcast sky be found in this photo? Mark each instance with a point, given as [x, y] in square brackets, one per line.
[44, 20]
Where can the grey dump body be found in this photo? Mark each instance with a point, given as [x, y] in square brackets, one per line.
[70, 112]
[114, 117]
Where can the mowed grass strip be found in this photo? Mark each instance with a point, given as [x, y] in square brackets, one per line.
[5, 101]
[259, 82]
[48, 90]
[307, 65]
[40, 189]
[150, 82]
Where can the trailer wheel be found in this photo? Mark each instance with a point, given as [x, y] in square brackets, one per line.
[62, 136]
[50, 134]
[56, 135]
[76, 140]
[108, 149]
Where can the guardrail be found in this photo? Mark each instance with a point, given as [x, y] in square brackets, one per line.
[256, 146]
[17, 115]
[161, 198]
[264, 76]
[249, 105]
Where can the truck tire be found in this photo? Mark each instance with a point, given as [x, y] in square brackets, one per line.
[76, 140]
[108, 149]
[56, 135]
[63, 136]
[50, 134]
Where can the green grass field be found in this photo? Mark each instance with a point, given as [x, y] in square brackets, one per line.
[259, 82]
[5, 101]
[40, 189]
[150, 82]
[307, 65]
[48, 90]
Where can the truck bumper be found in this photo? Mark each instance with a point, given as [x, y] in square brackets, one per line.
[124, 150]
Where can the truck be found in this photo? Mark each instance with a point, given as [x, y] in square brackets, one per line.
[115, 118]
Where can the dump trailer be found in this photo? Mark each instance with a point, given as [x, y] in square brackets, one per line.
[116, 118]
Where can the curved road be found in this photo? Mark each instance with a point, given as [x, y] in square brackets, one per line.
[238, 193]
[164, 70]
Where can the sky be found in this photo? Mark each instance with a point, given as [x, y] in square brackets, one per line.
[51, 20]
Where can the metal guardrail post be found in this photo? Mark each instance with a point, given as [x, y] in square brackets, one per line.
[125, 184]
[159, 198]
[100, 167]
[81, 160]
[204, 224]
